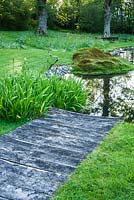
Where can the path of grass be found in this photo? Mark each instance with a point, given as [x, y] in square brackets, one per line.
[106, 174]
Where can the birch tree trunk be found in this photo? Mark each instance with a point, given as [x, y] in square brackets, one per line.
[107, 17]
[42, 17]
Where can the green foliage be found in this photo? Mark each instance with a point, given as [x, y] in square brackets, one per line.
[107, 173]
[92, 61]
[68, 94]
[91, 17]
[68, 14]
[84, 15]
[17, 44]
[123, 16]
[40, 52]
[52, 14]
[15, 14]
[23, 96]
[26, 96]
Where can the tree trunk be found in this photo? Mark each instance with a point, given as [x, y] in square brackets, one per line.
[107, 17]
[42, 17]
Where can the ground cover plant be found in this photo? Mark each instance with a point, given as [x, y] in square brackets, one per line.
[107, 173]
[93, 61]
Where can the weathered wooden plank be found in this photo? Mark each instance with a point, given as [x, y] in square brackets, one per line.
[37, 157]
[20, 182]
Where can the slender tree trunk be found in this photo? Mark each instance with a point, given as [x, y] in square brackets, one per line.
[107, 17]
[42, 17]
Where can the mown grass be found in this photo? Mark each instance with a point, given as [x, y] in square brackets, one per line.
[7, 126]
[41, 52]
[107, 173]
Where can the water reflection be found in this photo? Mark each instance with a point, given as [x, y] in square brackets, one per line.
[127, 53]
[106, 96]
[112, 96]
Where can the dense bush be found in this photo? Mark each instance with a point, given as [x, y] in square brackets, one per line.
[28, 96]
[91, 17]
[68, 94]
[85, 15]
[52, 14]
[123, 17]
[15, 14]
[68, 14]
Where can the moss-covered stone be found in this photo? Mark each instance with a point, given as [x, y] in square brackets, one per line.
[92, 61]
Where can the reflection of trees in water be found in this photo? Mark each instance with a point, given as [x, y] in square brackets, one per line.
[95, 90]
[125, 104]
[123, 99]
[106, 96]
[112, 96]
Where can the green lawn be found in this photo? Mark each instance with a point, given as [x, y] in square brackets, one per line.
[40, 52]
[107, 173]
[6, 126]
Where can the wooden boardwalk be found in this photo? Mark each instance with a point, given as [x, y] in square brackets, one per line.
[37, 158]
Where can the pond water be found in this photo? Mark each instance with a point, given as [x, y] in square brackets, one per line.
[127, 53]
[108, 95]
[112, 96]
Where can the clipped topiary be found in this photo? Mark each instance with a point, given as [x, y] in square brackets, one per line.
[93, 61]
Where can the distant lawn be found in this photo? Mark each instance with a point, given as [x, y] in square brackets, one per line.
[35, 59]
[107, 173]
[40, 52]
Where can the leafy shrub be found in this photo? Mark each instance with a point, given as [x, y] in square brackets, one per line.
[68, 14]
[28, 96]
[91, 17]
[68, 94]
[15, 14]
[52, 14]
[23, 96]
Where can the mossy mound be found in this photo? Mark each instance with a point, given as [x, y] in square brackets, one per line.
[92, 61]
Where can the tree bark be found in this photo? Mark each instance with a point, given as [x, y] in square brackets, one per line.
[107, 17]
[42, 17]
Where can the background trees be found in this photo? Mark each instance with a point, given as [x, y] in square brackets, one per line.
[82, 15]
[16, 14]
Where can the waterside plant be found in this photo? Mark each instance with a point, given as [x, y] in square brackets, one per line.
[27, 95]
